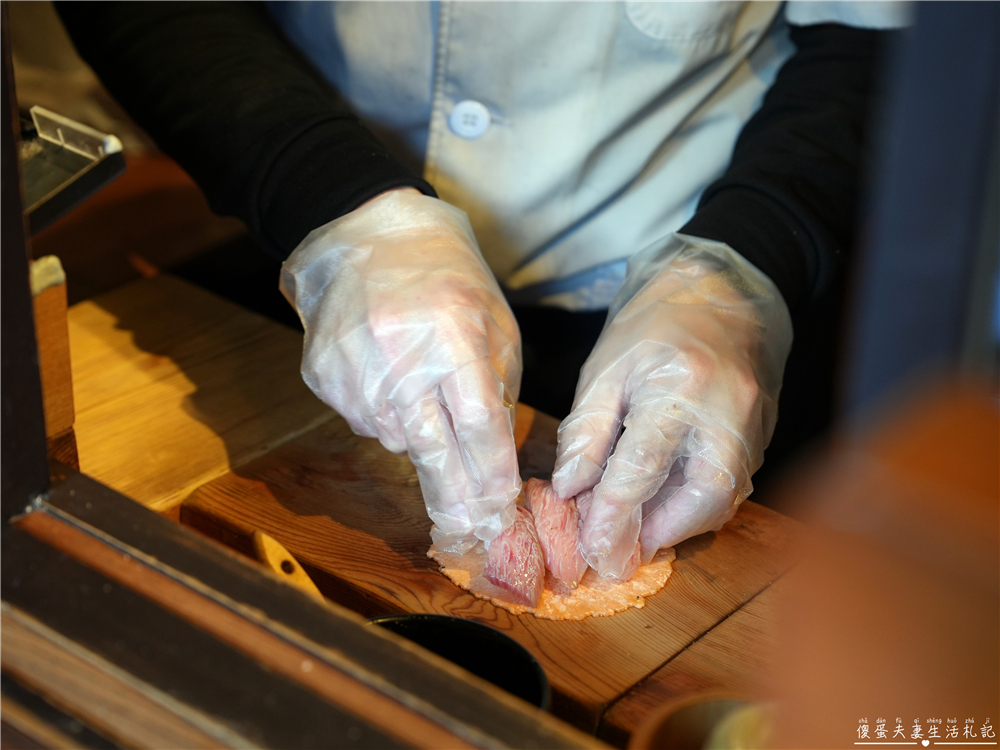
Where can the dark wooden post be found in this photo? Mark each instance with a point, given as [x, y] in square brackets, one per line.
[23, 462]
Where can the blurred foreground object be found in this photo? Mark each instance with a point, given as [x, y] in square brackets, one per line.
[927, 283]
[707, 721]
[893, 633]
[894, 618]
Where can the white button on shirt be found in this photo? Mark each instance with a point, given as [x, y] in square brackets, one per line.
[572, 133]
[470, 119]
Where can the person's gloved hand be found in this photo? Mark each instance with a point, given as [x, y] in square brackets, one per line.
[690, 365]
[409, 338]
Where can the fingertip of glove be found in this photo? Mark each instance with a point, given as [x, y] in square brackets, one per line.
[560, 485]
[573, 475]
[612, 567]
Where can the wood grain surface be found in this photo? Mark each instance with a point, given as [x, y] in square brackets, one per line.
[86, 686]
[737, 656]
[174, 386]
[353, 516]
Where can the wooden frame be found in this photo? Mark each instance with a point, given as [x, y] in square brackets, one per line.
[24, 462]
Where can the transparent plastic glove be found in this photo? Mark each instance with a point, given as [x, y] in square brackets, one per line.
[409, 338]
[676, 403]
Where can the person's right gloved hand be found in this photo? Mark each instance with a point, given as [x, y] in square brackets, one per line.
[676, 403]
[409, 338]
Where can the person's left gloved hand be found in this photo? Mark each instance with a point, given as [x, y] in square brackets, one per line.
[408, 336]
[676, 403]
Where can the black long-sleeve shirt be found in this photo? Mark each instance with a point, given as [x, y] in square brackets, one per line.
[220, 90]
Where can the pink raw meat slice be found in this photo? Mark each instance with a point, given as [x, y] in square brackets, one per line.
[558, 525]
[514, 561]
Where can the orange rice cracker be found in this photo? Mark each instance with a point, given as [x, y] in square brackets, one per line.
[594, 597]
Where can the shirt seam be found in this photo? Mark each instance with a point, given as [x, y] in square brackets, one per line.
[435, 134]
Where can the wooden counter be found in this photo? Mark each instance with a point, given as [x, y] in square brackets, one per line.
[353, 516]
[174, 386]
[185, 397]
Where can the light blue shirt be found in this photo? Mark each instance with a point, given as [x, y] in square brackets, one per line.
[573, 134]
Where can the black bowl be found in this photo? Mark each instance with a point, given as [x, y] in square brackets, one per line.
[477, 648]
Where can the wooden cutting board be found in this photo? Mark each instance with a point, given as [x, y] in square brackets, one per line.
[352, 514]
[174, 386]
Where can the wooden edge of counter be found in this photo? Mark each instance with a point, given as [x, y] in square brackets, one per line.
[75, 681]
[252, 639]
[231, 599]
